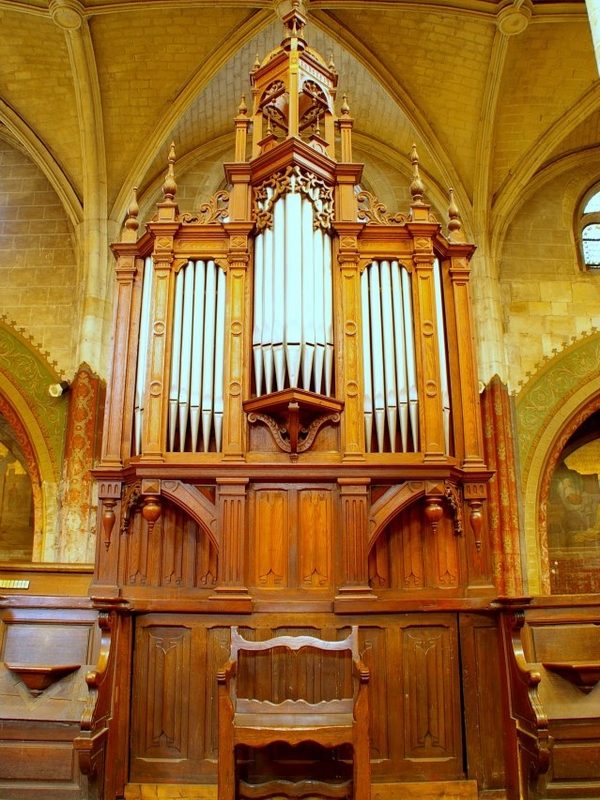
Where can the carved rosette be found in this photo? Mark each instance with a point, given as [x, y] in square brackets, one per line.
[293, 179]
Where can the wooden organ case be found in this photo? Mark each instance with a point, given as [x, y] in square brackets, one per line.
[293, 445]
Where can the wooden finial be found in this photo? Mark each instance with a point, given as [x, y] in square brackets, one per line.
[455, 222]
[131, 222]
[243, 108]
[256, 64]
[169, 188]
[331, 64]
[345, 109]
[417, 189]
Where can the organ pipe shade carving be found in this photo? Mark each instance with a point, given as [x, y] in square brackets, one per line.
[391, 396]
[196, 397]
[292, 337]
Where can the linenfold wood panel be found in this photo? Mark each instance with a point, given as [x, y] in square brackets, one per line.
[415, 691]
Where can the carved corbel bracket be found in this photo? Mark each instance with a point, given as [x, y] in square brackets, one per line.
[38, 677]
[129, 502]
[453, 495]
[294, 417]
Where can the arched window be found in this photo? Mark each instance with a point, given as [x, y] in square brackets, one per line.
[589, 229]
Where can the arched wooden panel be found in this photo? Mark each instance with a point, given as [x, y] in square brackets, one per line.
[176, 553]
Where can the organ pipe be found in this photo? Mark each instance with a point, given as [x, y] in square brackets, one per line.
[292, 333]
[445, 388]
[142, 355]
[391, 400]
[196, 394]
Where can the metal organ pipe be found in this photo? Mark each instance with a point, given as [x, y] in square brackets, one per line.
[196, 394]
[186, 351]
[411, 364]
[439, 308]
[175, 358]
[197, 352]
[293, 300]
[142, 355]
[208, 367]
[328, 314]
[219, 394]
[277, 293]
[367, 371]
[389, 363]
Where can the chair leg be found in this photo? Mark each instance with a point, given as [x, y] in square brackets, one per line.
[226, 773]
[362, 770]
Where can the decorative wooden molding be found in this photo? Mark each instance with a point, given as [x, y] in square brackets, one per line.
[293, 417]
[38, 677]
[374, 212]
[293, 179]
[213, 212]
[582, 674]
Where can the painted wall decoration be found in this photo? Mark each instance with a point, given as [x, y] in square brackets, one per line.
[573, 514]
[16, 500]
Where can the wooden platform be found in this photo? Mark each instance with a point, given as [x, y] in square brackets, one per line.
[438, 790]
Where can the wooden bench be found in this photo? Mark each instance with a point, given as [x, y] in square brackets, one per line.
[47, 646]
[267, 698]
[553, 664]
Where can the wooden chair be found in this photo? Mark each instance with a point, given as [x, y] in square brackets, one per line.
[289, 717]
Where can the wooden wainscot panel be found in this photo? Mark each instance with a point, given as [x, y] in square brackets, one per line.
[482, 692]
[174, 553]
[45, 655]
[315, 530]
[431, 692]
[271, 550]
[174, 722]
[292, 537]
[409, 555]
[414, 697]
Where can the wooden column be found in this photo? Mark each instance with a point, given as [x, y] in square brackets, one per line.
[106, 576]
[349, 358]
[354, 496]
[154, 433]
[239, 319]
[426, 338]
[231, 501]
[471, 411]
[118, 412]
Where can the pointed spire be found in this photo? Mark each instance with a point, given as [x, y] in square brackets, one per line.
[169, 187]
[243, 108]
[417, 189]
[345, 109]
[331, 64]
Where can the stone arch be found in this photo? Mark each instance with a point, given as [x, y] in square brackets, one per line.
[548, 410]
[40, 465]
[39, 423]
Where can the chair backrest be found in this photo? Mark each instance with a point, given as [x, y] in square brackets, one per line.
[294, 668]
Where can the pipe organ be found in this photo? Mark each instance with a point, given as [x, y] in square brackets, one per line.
[293, 442]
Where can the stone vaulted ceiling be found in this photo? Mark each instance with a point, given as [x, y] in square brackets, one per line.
[492, 93]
